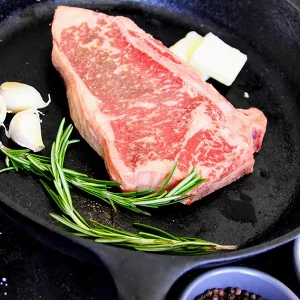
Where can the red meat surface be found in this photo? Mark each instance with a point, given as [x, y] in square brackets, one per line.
[143, 109]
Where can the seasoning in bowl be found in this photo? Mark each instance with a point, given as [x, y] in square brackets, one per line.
[228, 294]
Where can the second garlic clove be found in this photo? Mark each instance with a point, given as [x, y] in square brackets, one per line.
[20, 96]
[25, 130]
[3, 110]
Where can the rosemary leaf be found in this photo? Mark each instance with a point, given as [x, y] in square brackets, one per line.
[6, 169]
[155, 230]
[168, 179]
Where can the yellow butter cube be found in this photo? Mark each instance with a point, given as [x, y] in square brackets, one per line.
[217, 59]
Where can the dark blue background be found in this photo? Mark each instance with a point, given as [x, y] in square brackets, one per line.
[33, 271]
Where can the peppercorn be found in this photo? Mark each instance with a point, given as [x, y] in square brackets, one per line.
[237, 291]
[215, 291]
[209, 293]
[221, 293]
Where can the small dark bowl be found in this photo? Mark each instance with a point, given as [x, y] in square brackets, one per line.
[247, 279]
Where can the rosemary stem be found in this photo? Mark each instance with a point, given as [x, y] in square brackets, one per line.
[77, 221]
[226, 247]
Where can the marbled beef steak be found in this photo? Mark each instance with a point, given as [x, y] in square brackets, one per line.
[142, 109]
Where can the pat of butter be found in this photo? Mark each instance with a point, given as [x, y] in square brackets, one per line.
[186, 47]
[181, 49]
[217, 59]
[194, 40]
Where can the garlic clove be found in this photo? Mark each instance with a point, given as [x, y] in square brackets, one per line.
[25, 130]
[3, 110]
[20, 96]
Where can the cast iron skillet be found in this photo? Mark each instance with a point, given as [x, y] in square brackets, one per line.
[258, 212]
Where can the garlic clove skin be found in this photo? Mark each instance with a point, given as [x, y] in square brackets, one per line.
[20, 96]
[3, 110]
[25, 130]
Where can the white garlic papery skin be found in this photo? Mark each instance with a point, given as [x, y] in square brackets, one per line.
[20, 96]
[3, 110]
[25, 130]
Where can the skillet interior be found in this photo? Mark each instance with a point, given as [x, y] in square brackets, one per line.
[253, 210]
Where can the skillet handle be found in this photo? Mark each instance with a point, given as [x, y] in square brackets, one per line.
[142, 276]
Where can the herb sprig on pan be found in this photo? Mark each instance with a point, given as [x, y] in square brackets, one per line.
[101, 189]
[56, 180]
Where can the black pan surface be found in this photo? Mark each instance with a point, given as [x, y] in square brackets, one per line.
[250, 212]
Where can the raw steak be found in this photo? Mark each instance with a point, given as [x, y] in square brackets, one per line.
[142, 109]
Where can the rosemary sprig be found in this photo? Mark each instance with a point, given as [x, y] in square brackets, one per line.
[146, 241]
[134, 201]
[149, 239]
